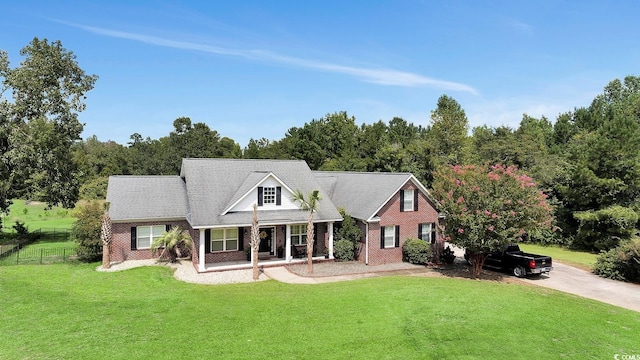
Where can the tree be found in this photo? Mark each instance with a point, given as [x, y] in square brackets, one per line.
[449, 129]
[174, 244]
[106, 236]
[349, 231]
[87, 229]
[309, 204]
[39, 127]
[255, 242]
[488, 208]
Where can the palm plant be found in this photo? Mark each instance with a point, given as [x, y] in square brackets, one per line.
[255, 242]
[173, 243]
[310, 204]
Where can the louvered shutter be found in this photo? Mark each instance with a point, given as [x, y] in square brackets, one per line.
[420, 232]
[382, 237]
[134, 238]
[415, 200]
[279, 195]
[207, 241]
[433, 233]
[397, 235]
[260, 196]
[240, 239]
[401, 200]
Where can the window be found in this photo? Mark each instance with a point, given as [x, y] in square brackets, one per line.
[298, 234]
[389, 236]
[424, 232]
[146, 234]
[408, 200]
[427, 232]
[269, 195]
[224, 240]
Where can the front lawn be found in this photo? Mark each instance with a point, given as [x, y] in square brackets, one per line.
[579, 259]
[73, 312]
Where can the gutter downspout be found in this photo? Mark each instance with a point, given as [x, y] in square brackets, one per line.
[366, 244]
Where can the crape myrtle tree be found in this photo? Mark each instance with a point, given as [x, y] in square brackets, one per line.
[490, 207]
[39, 105]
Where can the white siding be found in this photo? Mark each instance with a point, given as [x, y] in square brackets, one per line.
[246, 204]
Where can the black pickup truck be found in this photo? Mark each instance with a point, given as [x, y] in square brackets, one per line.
[521, 264]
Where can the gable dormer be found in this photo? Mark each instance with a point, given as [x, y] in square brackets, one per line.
[269, 193]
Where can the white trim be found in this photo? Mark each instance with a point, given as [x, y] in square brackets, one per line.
[366, 243]
[330, 231]
[415, 182]
[201, 259]
[250, 192]
[266, 224]
[287, 244]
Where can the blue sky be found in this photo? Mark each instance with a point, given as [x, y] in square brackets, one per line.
[257, 68]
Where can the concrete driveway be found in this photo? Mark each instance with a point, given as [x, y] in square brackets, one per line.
[583, 283]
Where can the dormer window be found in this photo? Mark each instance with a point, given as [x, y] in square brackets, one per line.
[269, 195]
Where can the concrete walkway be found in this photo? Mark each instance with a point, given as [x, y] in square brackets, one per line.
[280, 273]
[583, 283]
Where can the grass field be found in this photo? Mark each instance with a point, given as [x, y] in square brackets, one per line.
[73, 312]
[36, 216]
[579, 259]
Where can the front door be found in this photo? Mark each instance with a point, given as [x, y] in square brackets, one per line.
[266, 240]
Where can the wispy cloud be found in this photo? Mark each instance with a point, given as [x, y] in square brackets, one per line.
[377, 76]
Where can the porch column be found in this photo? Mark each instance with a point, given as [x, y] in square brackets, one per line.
[287, 244]
[330, 231]
[201, 251]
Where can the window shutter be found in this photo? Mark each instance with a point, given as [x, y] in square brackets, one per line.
[207, 241]
[279, 195]
[240, 239]
[397, 235]
[420, 232]
[381, 237]
[134, 238]
[167, 227]
[259, 195]
[433, 233]
[415, 200]
[401, 200]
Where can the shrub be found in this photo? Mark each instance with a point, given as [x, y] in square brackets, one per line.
[343, 250]
[416, 251]
[621, 263]
[86, 231]
[447, 256]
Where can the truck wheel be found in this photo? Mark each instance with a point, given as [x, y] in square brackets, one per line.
[519, 271]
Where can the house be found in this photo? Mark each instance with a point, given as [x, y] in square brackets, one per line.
[213, 199]
[388, 207]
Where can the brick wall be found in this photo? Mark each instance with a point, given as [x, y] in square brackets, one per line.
[408, 221]
[121, 242]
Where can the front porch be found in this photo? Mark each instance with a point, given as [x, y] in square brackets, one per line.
[280, 244]
[262, 263]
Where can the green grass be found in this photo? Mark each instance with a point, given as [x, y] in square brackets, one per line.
[36, 216]
[580, 259]
[73, 312]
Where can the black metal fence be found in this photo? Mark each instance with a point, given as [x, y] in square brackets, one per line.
[18, 255]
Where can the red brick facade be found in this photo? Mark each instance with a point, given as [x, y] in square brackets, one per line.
[390, 215]
[121, 242]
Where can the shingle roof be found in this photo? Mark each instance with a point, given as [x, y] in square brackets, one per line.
[362, 194]
[215, 184]
[146, 198]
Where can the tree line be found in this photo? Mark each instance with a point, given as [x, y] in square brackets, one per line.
[586, 161]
